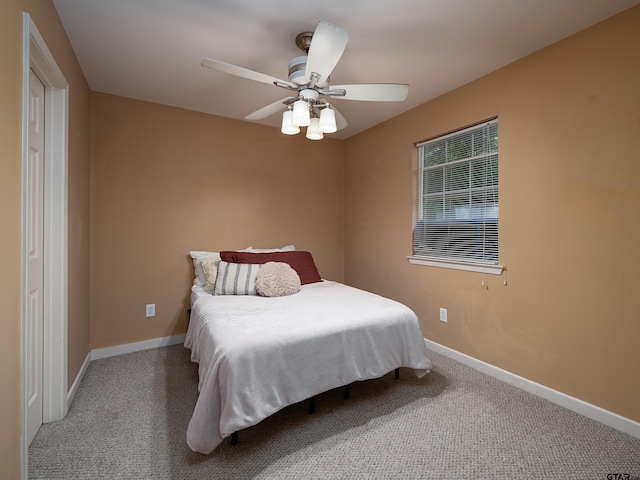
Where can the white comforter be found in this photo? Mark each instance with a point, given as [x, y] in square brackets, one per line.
[257, 355]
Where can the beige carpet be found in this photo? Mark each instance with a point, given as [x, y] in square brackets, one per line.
[130, 415]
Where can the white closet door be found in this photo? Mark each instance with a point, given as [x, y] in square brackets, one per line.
[35, 265]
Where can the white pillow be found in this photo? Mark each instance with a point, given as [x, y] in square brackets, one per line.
[196, 255]
[236, 278]
[286, 248]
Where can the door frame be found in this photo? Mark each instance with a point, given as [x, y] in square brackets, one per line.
[37, 57]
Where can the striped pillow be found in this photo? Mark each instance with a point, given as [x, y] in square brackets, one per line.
[236, 279]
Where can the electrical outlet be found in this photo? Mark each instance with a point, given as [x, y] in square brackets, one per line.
[443, 315]
[151, 310]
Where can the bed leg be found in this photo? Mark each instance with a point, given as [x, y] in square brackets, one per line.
[234, 438]
[346, 392]
[397, 374]
[312, 405]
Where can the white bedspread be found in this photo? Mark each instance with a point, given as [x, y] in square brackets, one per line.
[258, 355]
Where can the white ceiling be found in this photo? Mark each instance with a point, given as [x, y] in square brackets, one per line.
[151, 49]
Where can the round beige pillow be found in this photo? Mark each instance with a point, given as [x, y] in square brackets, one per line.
[277, 279]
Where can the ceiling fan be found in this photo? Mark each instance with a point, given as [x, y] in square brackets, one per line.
[309, 82]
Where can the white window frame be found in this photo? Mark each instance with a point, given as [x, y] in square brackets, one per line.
[482, 219]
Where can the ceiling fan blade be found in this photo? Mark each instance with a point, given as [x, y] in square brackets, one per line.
[341, 122]
[327, 45]
[374, 92]
[270, 109]
[246, 73]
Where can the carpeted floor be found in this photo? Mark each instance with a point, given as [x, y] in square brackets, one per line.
[130, 415]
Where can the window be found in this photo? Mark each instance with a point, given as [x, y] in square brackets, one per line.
[457, 200]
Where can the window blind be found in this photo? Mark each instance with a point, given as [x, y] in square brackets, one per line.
[457, 196]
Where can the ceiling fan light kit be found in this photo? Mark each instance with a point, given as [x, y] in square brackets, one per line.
[301, 116]
[288, 128]
[328, 120]
[313, 130]
[309, 77]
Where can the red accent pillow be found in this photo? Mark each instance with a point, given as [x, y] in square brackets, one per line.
[301, 261]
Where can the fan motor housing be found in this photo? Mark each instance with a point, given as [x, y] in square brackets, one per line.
[297, 67]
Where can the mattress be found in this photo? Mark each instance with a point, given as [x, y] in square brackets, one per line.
[196, 292]
[257, 355]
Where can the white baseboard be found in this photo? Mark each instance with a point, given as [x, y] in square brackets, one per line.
[593, 412]
[76, 383]
[136, 346]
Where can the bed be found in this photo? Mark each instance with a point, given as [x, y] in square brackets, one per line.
[259, 354]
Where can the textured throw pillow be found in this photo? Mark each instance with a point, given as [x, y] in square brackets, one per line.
[301, 261]
[236, 279]
[210, 269]
[197, 256]
[277, 279]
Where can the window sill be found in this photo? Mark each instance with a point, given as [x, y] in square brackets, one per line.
[456, 265]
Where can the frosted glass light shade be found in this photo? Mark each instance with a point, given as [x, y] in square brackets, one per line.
[313, 130]
[288, 128]
[328, 121]
[300, 116]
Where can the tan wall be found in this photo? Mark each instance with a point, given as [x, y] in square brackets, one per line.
[10, 246]
[569, 130]
[47, 22]
[166, 181]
